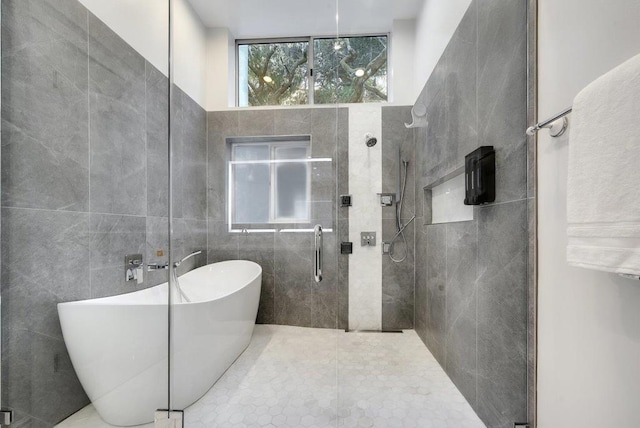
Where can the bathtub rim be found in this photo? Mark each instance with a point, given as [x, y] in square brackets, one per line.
[119, 299]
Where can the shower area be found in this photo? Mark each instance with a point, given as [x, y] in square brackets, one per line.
[247, 215]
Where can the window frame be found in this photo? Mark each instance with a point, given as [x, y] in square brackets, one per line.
[310, 64]
[273, 142]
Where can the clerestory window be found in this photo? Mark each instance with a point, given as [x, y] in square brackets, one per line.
[312, 70]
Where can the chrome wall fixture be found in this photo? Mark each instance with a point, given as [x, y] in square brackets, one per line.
[317, 259]
[555, 130]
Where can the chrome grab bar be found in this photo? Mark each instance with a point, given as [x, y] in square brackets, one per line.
[317, 260]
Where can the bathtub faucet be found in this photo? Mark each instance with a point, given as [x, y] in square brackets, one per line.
[176, 264]
[156, 266]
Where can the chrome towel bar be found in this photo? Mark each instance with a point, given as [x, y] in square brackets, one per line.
[548, 123]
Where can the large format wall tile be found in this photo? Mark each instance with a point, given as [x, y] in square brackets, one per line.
[289, 295]
[259, 248]
[397, 146]
[435, 142]
[45, 260]
[502, 313]
[45, 148]
[46, 253]
[80, 192]
[290, 121]
[461, 91]
[461, 272]
[177, 151]
[420, 300]
[293, 276]
[257, 122]
[157, 115]
[118, 126]
[113, 237]
[325, 294]
[471, 304]
[502, 86]
[222, 245]
[194, 160]
[38, 379]
[398, 279]
[220, 125]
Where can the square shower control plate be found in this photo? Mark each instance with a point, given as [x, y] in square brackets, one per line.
[368, 239]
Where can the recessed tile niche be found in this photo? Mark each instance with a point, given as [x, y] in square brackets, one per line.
[444, 201]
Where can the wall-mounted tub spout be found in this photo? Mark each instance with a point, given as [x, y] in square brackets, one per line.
[183, 296]
[176, 264]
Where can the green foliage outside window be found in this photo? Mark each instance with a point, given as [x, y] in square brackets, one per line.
[345, 70]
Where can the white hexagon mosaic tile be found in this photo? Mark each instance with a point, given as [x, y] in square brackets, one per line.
[292, 377]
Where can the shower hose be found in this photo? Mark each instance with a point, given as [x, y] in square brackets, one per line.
[399, 236]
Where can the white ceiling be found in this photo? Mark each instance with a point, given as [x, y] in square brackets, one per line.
[287, 18]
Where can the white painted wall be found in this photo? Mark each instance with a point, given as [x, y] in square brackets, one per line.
[365, 181]
[435, 25]
[144, 25]
[220, 75]
[401, 62]
[589, 321]
[190, 52]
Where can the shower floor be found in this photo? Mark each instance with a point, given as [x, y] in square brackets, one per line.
[301, 377]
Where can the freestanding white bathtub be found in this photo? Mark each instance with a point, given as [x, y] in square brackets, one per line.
[119, 345]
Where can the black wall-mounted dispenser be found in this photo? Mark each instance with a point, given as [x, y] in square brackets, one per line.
[480, 176]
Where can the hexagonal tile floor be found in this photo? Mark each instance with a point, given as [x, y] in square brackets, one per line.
[300, 377]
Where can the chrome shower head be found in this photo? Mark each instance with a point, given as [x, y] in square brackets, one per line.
[370, 140]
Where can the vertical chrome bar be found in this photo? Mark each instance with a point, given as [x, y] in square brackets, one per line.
[170, 201]
[317, 259]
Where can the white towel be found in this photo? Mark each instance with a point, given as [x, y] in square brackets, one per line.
[603, 198]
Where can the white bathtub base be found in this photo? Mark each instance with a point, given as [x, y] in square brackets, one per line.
[118, 345]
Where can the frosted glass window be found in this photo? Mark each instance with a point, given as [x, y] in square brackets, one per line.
[251, 187]
[292, 182]
[269, 181]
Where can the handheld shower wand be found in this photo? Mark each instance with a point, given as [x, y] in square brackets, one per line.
[400, 226]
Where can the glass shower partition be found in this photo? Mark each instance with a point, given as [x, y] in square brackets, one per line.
[85, 230]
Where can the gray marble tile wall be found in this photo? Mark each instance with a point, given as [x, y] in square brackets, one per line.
[398, 278]
[84, 182]
[289, 294]
[471, 290]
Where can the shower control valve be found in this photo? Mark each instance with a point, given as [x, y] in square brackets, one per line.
[133, 268]
[386, 199]
[368, 239]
